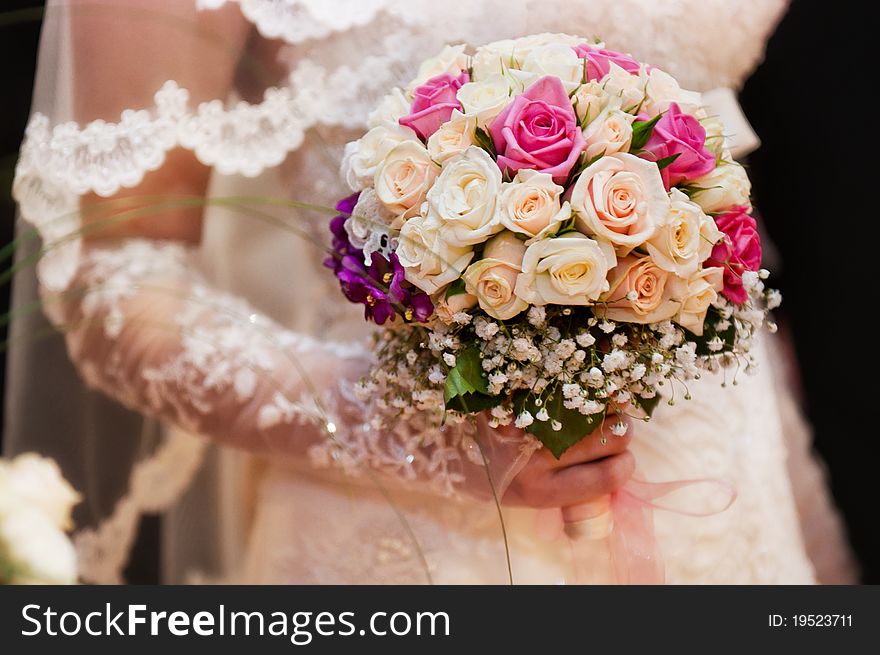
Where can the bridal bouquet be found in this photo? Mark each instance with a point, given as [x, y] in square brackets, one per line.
[551, 231]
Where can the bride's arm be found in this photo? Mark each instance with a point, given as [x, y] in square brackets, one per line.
[143, 326]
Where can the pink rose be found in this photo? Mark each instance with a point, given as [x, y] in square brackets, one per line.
[677, 133]
[539, 131]
[598, 61]
[737, 252]
[433, 103]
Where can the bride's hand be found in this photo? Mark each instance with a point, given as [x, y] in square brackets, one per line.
[587, 471]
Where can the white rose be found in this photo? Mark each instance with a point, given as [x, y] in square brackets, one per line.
[35, 549]
[485, 99]
[465, 198]
[362, 157]
[610, 132]
[453, 137]
[391, 109]
[661, 90]
[499, 56]
[628, 89]
[429, 260]
[530, 204]
[685, 238]
[493, 279]
[567, 270]
[591, 99]
[696, 294]
[36, 482]
[404, 177]
[620, 199]
[725, 187]
[555, 59]
[451, 59]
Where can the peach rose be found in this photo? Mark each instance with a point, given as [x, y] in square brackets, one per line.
[639, 292]
[453, 137]
[620, 198]
[447, 308]
[493, 279]
[530, 204]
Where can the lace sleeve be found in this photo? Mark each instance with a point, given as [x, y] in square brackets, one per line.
[143, 327]
[140, 322]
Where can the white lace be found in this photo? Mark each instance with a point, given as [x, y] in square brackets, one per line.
[296, 21]
[144, 328]
[157, 482]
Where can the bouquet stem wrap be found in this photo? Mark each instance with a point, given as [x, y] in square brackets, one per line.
[612, 538]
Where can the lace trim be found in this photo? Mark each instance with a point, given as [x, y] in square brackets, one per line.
[104, 157]
[296, 21]
[156, 484]
[58, 164]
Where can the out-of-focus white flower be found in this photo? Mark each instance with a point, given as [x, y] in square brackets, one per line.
[35, 509]
[34, 550]
[37, 482]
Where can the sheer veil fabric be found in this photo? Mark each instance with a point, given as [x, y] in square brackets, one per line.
[266, 93]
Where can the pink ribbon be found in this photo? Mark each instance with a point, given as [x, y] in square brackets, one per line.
[630, 553]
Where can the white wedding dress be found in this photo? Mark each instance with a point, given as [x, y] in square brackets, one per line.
[265, 520]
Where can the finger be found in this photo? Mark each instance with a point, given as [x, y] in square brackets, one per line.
[583, 482]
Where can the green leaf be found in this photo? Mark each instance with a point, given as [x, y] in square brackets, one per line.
[647, 405]
[471, 403]
[641, 132]
[727, 336]
[581, 165]
[455, 289]
[666, 161]
[575, 426]
[691, 190]
[466, 377]
[484, 140]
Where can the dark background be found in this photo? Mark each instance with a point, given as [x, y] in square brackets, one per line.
[816, 184]
[19, 35]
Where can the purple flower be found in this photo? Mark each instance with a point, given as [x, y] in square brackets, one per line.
[380, 287]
